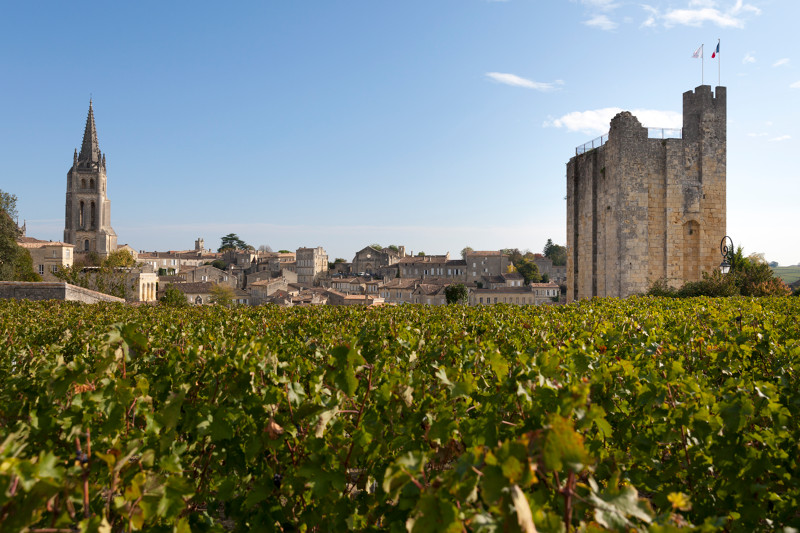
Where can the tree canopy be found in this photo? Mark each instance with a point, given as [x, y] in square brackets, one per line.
[8, 203]
[15, 261]
[556, 253]
[456, 293]
[748, 276]
[173, 297]
[466, 250]
[231, 241]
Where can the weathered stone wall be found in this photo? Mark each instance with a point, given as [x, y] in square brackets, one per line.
[24, 290]
[641, 209]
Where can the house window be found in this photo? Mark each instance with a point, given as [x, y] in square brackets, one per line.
[481, 299]
[86, 245]
[41, 270]
[54, 268]
[67, 253]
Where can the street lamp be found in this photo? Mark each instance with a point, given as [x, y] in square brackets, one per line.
[726, 249]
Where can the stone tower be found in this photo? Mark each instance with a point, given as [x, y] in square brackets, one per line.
[642, 207]
[87, 222]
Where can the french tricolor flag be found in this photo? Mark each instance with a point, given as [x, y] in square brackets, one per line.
[715, 52]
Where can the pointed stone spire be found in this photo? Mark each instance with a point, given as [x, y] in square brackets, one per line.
[90, 149]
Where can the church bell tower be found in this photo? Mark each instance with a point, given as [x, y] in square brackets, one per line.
[88, 211]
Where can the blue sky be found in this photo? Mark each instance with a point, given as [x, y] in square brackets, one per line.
[433, 124]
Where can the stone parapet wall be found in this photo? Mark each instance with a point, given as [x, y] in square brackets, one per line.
[25, 290]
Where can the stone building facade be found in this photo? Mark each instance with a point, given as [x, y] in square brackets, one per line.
[641, 209]
[48, 257]
[311, 264]
[87, 222]
[372, 261]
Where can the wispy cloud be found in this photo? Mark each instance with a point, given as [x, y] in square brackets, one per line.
[596, 121]
[781, 138]
[601, 22]
[756, 134]
[598, 12]
[603, 5]
[652, 16]
[795, 85]
[517, 81]
[696, 17]
[748, 58]
[699, 12]
[781, 62]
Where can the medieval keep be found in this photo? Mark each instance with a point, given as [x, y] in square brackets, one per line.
[88, 211]
[641, 209]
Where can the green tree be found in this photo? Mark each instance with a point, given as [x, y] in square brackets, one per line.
[513, 254]
[15, 261]
[376, 246]
[421, 254]
[8, 203]
[556, 253]
[748, 276]
[173, 297]
[231, 241]
[456, 293]
[284, 251]
[466, 250]
[112, 275]
[394, 247]
[222, 295]
[529, 270]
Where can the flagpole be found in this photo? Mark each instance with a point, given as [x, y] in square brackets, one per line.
[702, 65]
[719, 67]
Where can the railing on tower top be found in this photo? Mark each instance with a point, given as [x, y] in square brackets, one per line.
[652, 133]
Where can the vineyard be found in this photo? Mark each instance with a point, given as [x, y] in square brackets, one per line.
[641, 414]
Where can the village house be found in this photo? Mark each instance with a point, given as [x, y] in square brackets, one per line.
[340, 298]
[373, 261]
[557, 274]
[260, 291]
[485, 263]
[172, 262]
[430, 293]
[209, 273]
[48, 257]
[533, 294]
[545, 292]
[289, 275]
[311, 264]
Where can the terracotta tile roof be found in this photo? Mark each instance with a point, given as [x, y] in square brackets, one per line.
[429, 290]
[171, 279]
[550, 285]
[503, 290]
[30, 242]
[402, 283]
[199, 287]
